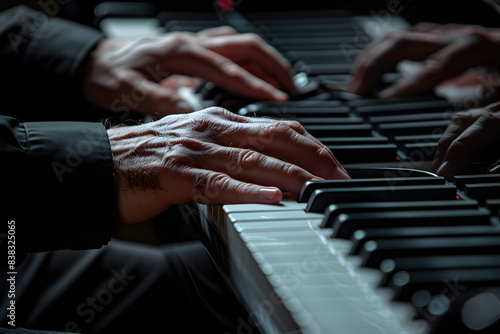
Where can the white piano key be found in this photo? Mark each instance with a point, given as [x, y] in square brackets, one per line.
[283, 206]
[240, 217]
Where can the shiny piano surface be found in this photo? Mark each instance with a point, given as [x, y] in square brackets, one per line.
[394, 250]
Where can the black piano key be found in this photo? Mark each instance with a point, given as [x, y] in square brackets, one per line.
[425, 138]
[294, 104]
[329, 120]
[494, 206]
[289, 112]
[405, 284]
[361, 101]
[420, 151]
[402, 108]
[319, 69]
[412, 128]
[353, 140]
[481, 192]
[343, 130]
[363, 153]
[346, 224]
[461, 180]
[334, 210]
[386, 172]
[360, 237]
[391, 266]
[322, 198]
[436, 116]
[310, 186]
[374, 252]
[462, 311]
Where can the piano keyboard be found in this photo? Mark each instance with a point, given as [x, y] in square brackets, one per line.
[370, 264]
[394, 250]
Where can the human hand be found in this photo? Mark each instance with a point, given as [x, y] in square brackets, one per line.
[214, 157]
[470, 133]
[445, 50]
[129, 72]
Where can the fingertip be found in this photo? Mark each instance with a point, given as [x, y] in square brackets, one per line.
[445, 170]
[270, 194]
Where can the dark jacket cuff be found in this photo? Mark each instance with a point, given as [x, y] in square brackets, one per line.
[70, 191]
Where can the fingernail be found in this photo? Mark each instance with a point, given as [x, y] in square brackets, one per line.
[444, 170]
[268, 193]
[343, 173]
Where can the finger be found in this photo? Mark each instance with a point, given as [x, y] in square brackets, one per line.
[477, 137]
[425, 27]
[290, 142]
[223, 72]
[386, 53]
[211, 187]
[253, 167]
[250, 48]
[459, 122]
[216, 31]
[446, 63]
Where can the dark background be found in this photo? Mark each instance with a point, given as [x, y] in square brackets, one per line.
[440, 11]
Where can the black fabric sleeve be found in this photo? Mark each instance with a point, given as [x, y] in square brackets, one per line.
[58, 184]
[40, 61]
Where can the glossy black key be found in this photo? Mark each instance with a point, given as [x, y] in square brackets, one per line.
[390, 181]
[412, 128]
[402, 108]
[374, 252]
[292, 112]
[360, 237]
[344, 130]
[334, 210]
[353, 140]
[350, 154]
[426, 138]
[322, 198]
[346, 224]
[405, 284]
[461, 180]
[481, 192]
[435, 116]
[329, 120]
[420, 151]
[391, 266]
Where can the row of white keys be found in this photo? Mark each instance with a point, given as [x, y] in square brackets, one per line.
[294, 277]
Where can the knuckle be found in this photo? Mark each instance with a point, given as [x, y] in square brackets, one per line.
[249, 157]
[253, 39]
[291, 170]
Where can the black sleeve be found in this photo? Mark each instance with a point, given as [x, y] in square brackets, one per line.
[40, 61]
[57, 184]
[57, 177]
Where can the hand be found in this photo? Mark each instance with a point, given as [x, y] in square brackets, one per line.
[128, 74]
[215, 157]
[470, 133]
[446, 52]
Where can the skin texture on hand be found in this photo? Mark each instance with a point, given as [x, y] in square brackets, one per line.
[445, 51]
[132, 70]
[470, 133]
[214, 157]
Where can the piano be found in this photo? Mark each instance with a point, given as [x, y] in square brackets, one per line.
[396, 249]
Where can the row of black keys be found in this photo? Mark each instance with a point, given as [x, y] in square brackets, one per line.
[419, 230]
